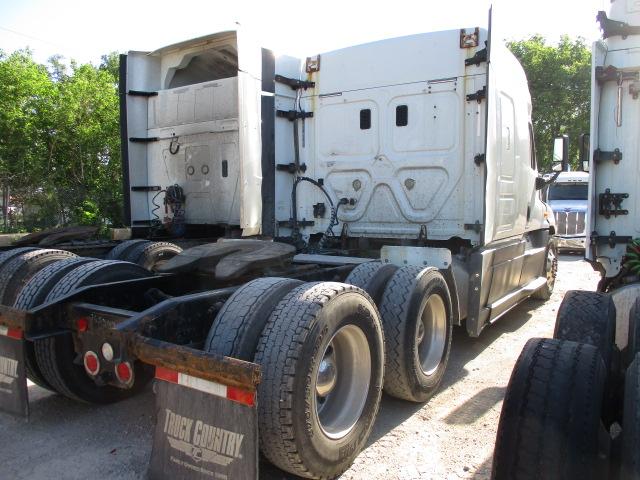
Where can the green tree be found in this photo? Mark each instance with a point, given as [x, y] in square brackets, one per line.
[86, 165]
[26, 103]
[59, 140]
[560, 84]
[111, 63]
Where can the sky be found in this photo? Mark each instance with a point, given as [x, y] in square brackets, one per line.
[86, 29]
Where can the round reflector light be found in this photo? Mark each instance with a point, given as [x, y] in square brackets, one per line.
[91, 363]
[107, 352]
[124, 372]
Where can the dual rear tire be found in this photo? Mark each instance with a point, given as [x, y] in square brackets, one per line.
[56, 356]
[322, 358]
[321, 349]
[33, 294]
[36, 276]
[565, 392]
[416, 311]
[322, 353]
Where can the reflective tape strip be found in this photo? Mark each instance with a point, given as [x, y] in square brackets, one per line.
[206, 386]
[11, 332]
[203, 385]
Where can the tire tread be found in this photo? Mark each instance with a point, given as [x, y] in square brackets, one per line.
[238, 317]
[16, 273]
[120, 251]
[551, 413]
[588, 317]
[278, 353]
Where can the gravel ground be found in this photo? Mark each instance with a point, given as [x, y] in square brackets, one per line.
[450, 437]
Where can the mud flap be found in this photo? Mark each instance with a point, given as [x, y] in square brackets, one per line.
[204, 430]
[13, 379]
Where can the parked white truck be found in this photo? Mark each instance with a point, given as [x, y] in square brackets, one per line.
[567, 196]
[398, 177]
[571, 407]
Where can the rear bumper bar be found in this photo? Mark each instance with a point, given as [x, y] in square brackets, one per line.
[153, 336]
[571, 243]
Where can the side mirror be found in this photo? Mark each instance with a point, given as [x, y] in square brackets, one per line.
[585, 151]
[560, 161]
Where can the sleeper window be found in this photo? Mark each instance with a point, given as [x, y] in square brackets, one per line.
[402, 116]
[365, 119]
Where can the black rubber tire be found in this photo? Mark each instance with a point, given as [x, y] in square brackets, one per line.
[290, 349]
[544, 292]
[630, 457]
[15, 274]
[237, 328]
[102, 271]
[550, 420]
[152, 254]
[120, 251]
[402, 305]
[56, 356]
[14, 252]
[588, 317]
[372, 277]
[34, 294]
[633, 345]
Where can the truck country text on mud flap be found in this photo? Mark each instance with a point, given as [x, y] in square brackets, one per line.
[203, 428]
[205, 404]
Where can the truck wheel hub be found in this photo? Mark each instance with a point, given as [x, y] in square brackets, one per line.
[342, 382]
[327, 373]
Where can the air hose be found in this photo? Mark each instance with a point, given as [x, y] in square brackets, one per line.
[334, 209]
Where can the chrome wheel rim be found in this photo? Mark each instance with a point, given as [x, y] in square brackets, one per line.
[431, 335]
[341, 382]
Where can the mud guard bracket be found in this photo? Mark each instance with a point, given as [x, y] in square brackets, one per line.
[418, 256]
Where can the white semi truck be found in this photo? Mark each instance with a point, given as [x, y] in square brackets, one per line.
[571, 407]
[567, 196]
[364, 202]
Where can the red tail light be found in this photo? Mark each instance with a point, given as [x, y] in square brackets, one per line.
[124, 373]
[91, 363]
[82, 324]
